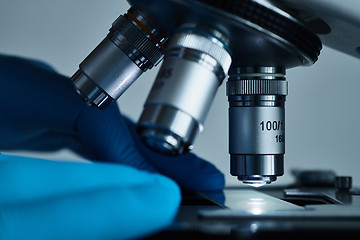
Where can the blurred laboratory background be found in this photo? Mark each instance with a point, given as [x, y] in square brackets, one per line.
[322, 107]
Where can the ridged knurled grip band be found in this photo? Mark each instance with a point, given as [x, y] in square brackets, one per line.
[125, 28]
[257, 87]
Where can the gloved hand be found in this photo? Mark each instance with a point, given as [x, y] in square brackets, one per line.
[41, 111]
[44, 200]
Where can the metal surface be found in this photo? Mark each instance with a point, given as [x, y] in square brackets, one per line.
[195, 64]
[251, 132]
[257, 123]
[166, 129]
[257, 170]
[337, 23]
[259, 34]
[132, 47]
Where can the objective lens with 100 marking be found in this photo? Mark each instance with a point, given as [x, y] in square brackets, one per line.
[257, 123]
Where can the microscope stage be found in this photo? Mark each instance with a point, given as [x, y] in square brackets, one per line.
[256, 205]
[267, 213]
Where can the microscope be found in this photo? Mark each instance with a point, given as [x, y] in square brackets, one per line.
[201, 42]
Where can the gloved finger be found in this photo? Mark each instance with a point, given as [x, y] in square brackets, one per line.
[105, 133]
[31, 179]
[104, 214]
[188, 170]
[36, 101]
[42, 102]
[63, 200]
[35, 94]
[46, 140]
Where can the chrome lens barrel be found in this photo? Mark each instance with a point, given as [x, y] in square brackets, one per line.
[132, 46]
[196, 62]
[257, 123]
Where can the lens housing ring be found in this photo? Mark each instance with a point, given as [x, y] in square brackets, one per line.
[257, 87]
[257, 167]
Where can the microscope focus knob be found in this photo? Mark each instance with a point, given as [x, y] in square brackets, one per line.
[343, 183]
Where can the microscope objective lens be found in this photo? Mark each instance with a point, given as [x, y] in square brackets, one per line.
[132, 47]
[196, 62]
[257, 123]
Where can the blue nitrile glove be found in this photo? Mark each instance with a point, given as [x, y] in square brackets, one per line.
[42, 200]
[41, 111]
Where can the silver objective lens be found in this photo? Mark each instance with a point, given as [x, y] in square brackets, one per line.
[257, 123]
[132, 46]
[196, 62]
